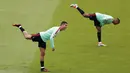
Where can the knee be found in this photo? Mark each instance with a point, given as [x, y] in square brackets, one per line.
[86, 15]
[27, 37]
[98, 31]
[83, 15]
[42, 53]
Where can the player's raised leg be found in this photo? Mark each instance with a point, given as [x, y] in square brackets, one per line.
[25, 33]
[87, 15]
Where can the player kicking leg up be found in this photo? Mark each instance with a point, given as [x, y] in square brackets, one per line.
[42, 37]
[35, 37]
[99, 20]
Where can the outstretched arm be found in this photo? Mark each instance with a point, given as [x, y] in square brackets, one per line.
[52, 42]
[52, 38]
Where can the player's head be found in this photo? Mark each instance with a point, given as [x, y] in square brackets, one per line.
[116, 21]
[63, 25]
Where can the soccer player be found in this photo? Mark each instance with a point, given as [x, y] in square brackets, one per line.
[99, 21]
[42, 37]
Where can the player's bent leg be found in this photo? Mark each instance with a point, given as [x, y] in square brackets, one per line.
[25, 33]
[86, 15]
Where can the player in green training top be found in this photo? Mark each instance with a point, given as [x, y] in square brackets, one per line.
[42, 37]
[99, 21]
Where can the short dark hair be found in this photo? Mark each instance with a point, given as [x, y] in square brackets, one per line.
[118, 20]
[63, 22]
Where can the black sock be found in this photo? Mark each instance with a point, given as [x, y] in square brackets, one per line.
[99, 36]
[21, 28]
[42, 65]
[80, 10]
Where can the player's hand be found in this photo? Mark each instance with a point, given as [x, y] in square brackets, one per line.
[53, 49]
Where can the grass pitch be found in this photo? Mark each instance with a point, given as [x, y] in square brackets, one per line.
[76, 48]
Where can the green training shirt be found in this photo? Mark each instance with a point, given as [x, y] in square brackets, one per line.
[104, 19]
[49, 35]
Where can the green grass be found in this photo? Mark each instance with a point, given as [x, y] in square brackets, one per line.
[16, 53]
[76, 48]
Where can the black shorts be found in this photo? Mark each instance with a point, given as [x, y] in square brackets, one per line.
[37, 38]
[93, 18]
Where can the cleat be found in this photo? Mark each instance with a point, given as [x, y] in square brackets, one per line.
[101, 44]
[74, 5]
[16, 25]
[44, 70]
[71, 5]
